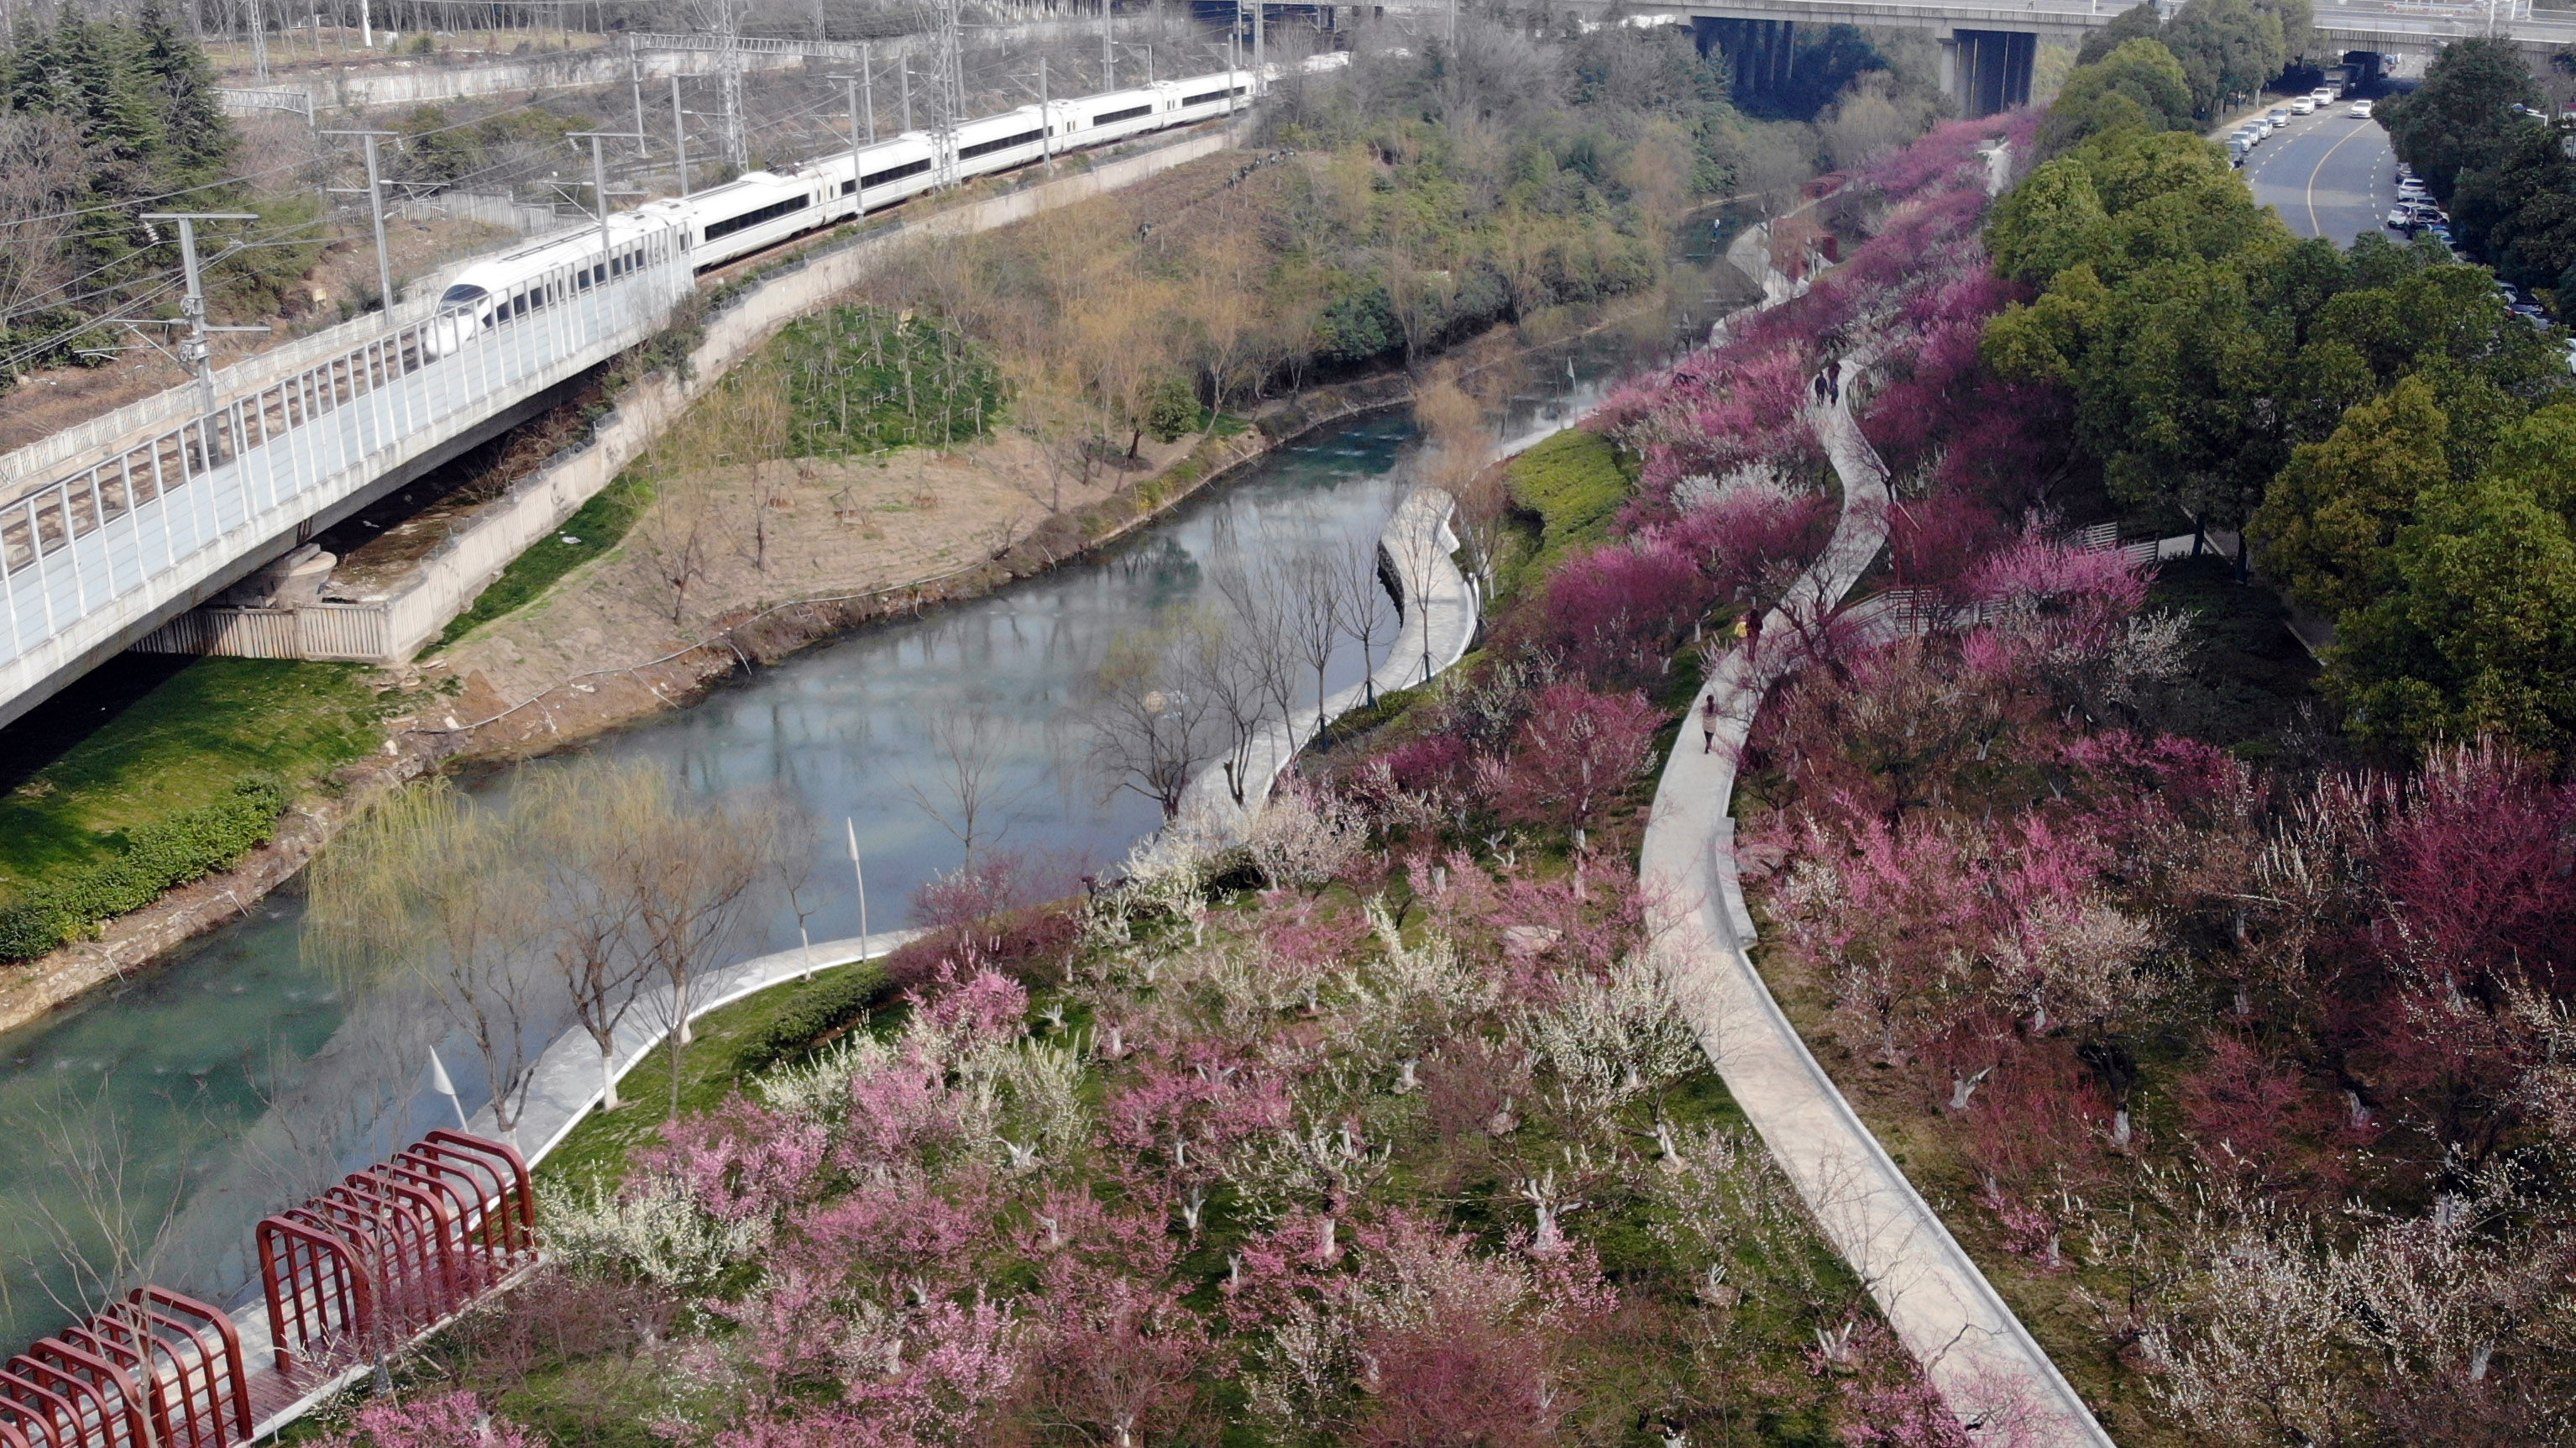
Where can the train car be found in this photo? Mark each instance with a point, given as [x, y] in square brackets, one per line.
[756, 210]
[527, 280]
[998, 143]
[762, 208]
[1198, 97]
[888, 171]
[1097, 120]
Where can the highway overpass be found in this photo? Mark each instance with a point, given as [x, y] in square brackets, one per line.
[1988, 46]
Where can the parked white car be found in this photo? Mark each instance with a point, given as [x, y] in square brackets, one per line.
[2304, 106]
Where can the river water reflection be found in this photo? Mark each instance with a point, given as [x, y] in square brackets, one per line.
[229, 1078]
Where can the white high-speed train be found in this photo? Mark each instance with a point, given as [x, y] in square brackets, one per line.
[763, 208]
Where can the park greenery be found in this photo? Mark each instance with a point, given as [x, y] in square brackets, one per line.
[2235, 1048]
[2375, 419]
[2221, 49]
[2473, 132]
[2235, 1067]
[100, 115]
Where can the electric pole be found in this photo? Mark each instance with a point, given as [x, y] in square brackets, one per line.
[1108, 51]
[868, 87]
[906, 73]
[599, 181]
[635, 82]
[858, 179]
[376, 215]
[194, 350]
[1260, 50]
[1046, 118]
[737, 146]
[680, 135]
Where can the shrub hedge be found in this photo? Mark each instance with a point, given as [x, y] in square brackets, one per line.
[829, 1003]
[155, 858]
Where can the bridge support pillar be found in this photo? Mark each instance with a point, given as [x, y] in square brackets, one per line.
[1987, 71]
[1761, 54]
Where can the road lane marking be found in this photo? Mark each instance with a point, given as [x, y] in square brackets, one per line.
[2316, 227]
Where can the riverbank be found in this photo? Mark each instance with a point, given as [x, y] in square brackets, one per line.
[588, 703]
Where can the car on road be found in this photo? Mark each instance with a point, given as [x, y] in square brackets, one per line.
[2411, 190]
[2401, 219]
[2304, 106]
[2325, 95]
[2279, 116]
[2360, 111]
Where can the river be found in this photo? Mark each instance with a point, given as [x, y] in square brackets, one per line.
[144, 1130]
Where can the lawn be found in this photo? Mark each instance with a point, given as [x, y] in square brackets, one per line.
[179, 744]
[731, 1043]
[1571, 488]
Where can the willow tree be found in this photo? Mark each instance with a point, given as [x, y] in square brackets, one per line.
[427, 891]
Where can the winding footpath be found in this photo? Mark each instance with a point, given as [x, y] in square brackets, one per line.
[1975, 1351]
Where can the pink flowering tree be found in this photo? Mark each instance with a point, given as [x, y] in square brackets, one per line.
[445, 1420]
[1576, 756]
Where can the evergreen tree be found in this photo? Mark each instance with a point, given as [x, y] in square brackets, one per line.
[201, 139]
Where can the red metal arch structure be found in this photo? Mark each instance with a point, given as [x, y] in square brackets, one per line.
[392, 1250]
[157, 1370]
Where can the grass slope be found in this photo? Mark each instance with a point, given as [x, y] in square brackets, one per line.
[731, 1042]
[1569, 490]
[182, 746]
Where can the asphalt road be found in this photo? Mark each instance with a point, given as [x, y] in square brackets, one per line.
[2328, 175]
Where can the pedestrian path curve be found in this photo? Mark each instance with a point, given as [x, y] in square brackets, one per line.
[1976, 1352]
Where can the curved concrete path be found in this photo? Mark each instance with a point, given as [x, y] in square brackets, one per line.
[1975, 1351]
[1439, 612]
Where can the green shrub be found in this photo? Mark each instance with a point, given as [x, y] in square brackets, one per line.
[863, 380]
[157, 857]
[829, 1003]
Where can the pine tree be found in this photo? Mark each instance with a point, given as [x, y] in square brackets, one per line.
[201, 138]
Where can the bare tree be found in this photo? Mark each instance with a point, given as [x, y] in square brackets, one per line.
[431, 888]
[1365, 611]
[1458, 453]
[1148, 717]
[1225, 311]
[969, 741]
[699, 873]
[1419, 548]
[580, 823]
[1310, 607]
[675, 540]
[108, 1214]
[1240, 675]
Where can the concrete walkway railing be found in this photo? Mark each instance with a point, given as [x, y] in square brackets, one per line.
[1974, 1349]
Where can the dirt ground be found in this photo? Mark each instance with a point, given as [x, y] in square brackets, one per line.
[799, 529]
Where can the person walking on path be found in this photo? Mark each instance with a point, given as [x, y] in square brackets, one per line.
[1708, 722]
[1834, 380]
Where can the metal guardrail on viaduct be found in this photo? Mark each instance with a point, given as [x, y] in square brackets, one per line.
[109, 529]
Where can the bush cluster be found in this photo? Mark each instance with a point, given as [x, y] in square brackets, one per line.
[157, 857]
[828, 1004]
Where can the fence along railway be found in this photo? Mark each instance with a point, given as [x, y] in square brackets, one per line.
[111, 530]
